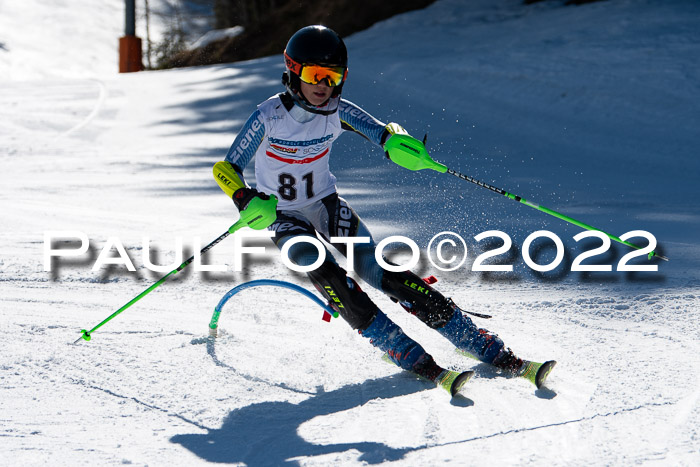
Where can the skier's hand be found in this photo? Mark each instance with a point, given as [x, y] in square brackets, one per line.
[257, 209]
[243, 196]
[408, 152]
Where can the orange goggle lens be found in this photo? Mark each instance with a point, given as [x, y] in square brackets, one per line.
[314, 74]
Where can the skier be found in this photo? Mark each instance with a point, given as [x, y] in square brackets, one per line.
[291, 134]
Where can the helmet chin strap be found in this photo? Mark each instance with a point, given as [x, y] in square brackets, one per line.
[306, 105]
[300, 100]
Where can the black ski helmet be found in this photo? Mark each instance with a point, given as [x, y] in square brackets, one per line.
[316, 45]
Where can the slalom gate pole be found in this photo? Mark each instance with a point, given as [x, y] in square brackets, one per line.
[87, 334]
[327, 310]
[545, 210]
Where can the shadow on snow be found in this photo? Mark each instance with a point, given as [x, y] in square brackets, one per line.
[267, 433]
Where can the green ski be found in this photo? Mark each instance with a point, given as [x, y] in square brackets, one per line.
[450, 381]
[534, 372]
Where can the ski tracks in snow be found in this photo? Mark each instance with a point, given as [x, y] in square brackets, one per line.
[99, 103]
[53, 108]
[330, 398]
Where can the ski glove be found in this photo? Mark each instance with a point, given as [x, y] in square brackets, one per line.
[243, 196]
[257, 209]
[408, 152]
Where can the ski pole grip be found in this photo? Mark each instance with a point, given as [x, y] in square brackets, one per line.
[410, 153]
[239, 224]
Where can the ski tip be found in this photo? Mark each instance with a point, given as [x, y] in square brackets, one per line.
[459, 382]
[543, 372]
[453, 381]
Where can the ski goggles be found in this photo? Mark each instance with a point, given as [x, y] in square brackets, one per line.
[314, 74]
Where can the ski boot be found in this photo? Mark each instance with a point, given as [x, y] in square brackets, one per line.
[485, 346]
[409, 355]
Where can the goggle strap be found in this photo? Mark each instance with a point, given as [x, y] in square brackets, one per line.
[294, 66]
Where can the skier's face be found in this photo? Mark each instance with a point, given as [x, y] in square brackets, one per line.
[316, 94]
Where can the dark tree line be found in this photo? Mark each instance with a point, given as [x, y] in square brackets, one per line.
[268, 24]
[246, 13]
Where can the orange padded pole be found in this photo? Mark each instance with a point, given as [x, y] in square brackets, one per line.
[130, 54]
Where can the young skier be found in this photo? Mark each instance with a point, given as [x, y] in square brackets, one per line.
[291, 135]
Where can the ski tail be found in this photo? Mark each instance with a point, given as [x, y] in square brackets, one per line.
[464, 353]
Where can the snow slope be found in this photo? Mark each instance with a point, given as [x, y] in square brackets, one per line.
[588, 110]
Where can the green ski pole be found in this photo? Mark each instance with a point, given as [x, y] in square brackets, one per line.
[86, 334]
[411, 154]
[551, 212]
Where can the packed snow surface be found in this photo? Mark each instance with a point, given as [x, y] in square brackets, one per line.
[591, 111]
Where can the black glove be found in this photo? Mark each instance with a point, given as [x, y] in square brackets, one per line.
[245, 195]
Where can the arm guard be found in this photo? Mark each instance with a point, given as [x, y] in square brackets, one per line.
[228, 178]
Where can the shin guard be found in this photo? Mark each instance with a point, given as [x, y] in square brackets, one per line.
[344, 295]
[429, 305]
